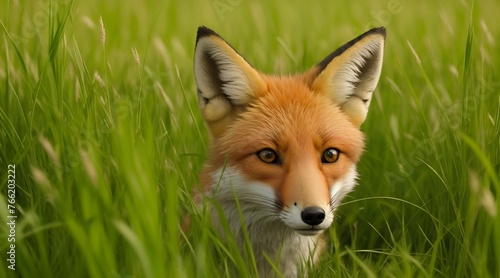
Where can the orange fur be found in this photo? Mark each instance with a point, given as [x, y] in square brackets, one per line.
[311, 123]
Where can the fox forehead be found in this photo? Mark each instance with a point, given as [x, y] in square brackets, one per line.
[292, 119]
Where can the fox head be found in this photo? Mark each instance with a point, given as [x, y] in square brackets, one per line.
[285, 147]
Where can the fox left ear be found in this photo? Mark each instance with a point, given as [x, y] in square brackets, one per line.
[351, 73]
[226, 82]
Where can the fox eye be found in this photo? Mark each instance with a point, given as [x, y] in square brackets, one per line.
[331, 155]
[268, 156]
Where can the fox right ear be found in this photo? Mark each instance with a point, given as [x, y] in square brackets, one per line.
[226, 82]
[350, 74]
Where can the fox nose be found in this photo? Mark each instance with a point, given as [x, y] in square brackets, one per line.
[313, 215]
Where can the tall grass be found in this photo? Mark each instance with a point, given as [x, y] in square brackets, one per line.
[100, 119]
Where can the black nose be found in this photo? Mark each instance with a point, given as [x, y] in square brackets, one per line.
[313, 215]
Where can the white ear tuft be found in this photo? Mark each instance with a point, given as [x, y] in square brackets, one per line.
[224, 79]
[351, 73]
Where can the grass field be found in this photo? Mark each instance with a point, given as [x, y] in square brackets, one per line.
[98, 115]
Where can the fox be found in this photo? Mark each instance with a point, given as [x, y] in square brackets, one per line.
[283, 149]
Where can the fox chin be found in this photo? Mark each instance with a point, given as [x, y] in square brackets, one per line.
[283, 149]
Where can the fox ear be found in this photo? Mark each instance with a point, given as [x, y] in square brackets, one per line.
[351, 73]
[226, 82]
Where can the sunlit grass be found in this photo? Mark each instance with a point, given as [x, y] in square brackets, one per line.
[100, 118]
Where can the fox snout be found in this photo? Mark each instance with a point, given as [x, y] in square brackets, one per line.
[313, 215]
[305, 194]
